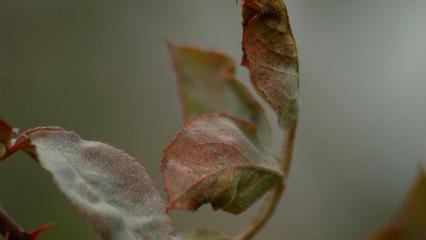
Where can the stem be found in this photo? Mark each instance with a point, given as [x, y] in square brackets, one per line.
[10, 229]
[273, 199]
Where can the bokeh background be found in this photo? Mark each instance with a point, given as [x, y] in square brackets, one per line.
[101, 68]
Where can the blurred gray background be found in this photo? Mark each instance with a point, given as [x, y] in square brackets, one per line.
[101, 68]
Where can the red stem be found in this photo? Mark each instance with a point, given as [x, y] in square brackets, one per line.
[274, 198]
[10, 229]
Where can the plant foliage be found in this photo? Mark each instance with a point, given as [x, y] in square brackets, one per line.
[222, 155]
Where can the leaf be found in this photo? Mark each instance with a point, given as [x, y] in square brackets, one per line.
[5, 133]
[2, 151]
[112, 190]
[217, 159]
[411, 222]
[207, 84]
[203, 234]
[270, 54]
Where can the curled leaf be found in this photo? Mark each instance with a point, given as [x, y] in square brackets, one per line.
[5, 133]
[270, 54]
[2, 151]
[217, 159]
[110, 187]
[5, 138]
[207, 84]
[411, 221]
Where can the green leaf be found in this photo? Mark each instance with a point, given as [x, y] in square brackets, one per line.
[207, 84]
[110, 188]
[411, 221]
[218, 159]
[270, 54]
[203, 234]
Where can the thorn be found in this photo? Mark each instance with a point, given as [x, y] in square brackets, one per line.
[33, 234]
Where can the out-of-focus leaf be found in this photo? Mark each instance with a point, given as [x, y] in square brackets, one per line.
[5, 133]
[111, 189]
[217, 159]
[2, 151]
[207, 84]
[411, 222]
[5, 139]
[203, 234]
[270, 54]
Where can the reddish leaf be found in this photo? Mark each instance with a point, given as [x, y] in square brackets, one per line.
[5, 138]
[5, 133]
[270, 54]
[109, 187]
[411, 222]
[217, 159]
[207, 84]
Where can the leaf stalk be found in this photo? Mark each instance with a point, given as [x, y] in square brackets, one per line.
[267, 210]
[10, 229]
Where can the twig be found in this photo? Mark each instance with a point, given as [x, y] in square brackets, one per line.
[10, 229]
[273, 199]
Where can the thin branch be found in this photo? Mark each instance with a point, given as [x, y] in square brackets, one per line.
[10, 229]
[287, 149]
[273, 199]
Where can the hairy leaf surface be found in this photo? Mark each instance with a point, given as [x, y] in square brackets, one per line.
[109, 186]
[270, 54]
[207, 84]
[217, 159]
[411, 222]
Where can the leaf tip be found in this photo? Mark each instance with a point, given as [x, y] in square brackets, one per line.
[174, 49]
